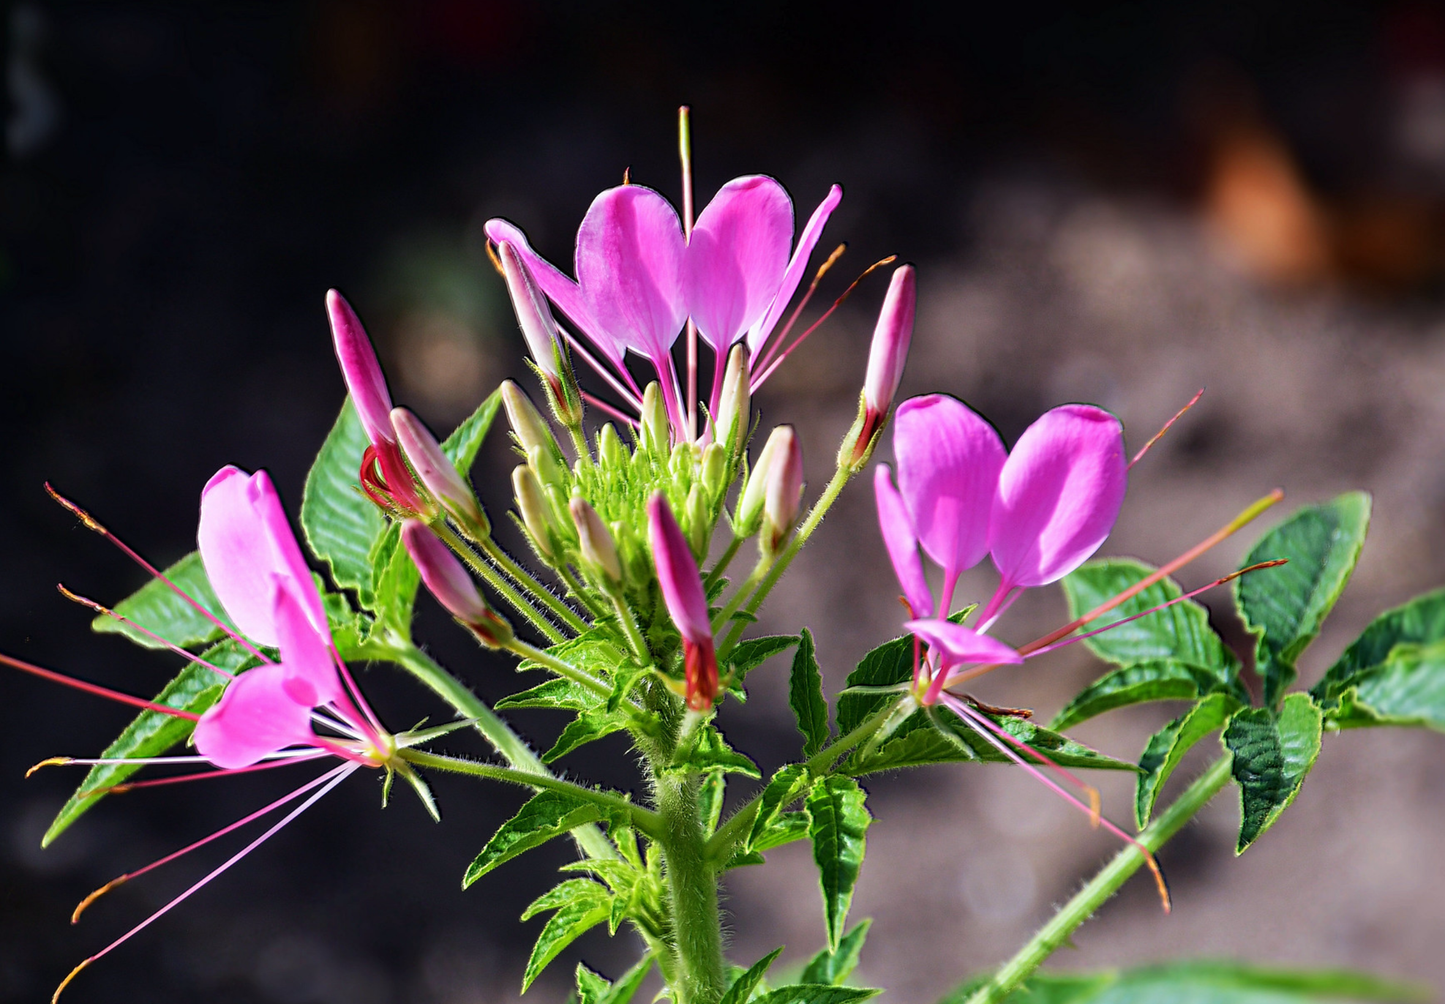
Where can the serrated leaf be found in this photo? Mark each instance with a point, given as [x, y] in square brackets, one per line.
[742, 988]
[711, 752]
[782, 789]
[835, 966]
[839, 829]
[784, 829]
[152, 733]
[395, 580]
[156, 607]
[1420, 622]
[1154, 680]
[710, 800]
[546, 815]
[628, 983]
[591, 987]
[1408, 688]
[809, 993]
[748, 655]
[1272, 755]
[1285, 606]
[583, 906]
[466, 439]
[559, 693]
[888, 664]
[1168, 746]
[341, 524]
[805, 696]
[594, 651]
[1180, 632]
[624, 678]
[585, 728]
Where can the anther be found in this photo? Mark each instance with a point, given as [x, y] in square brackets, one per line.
[81, 906]
[90, 521]
[55, 761]
[66, 982]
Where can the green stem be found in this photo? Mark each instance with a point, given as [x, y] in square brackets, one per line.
[497, 732]
[495, 580]
[692, 889]
[1056, 932]
[629, 626]
[573, 584]
[645, 820]
[559, 667]
[528, 582]
[579, 443]
[726, 614]
[723, 562]
[815, 516]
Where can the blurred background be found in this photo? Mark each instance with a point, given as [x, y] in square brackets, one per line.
[1118, 203]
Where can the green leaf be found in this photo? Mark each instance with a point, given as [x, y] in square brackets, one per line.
[1420, 622]
[156, 607]
[585, 728]
[558, 693]
[805, 695]
[1180, 632]
[594, 651]
[628, 983]
[581, 905]
[1285, 606]
[710, 799]
[152, 733]
[1155, 680]
[394, 581]
[1408, 688]
[1272, 755]
[466, 439]
[783, 788]
[835, 966]
[546, 815]
[809, 993]
[839, 830]
[748, 655]
[342, 525]
[591, 987]
[784, 829]
[1168, 746]
[888, 664]
[742, 988]
[711, 752]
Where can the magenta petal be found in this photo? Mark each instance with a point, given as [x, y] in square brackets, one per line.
[629, 265]
[1058, 495]
[962, 644]
[246, 541]
[797, 266]
[310, 674]
[560, 289]
[901, 543]
[677, 573]
[255, 716]
[736, 258]
[948, 467]
[360, 369]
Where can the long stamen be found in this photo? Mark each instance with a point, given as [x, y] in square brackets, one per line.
[767, 356]
[602, 405]
[120, 789]
[123, 879]
[106, 611]
[1160, 434]
[633, 397]
[151, 761]
[92, 688]
[336, 777]
[826, 314]
[91, 523]
[684, 150]
[968, 714]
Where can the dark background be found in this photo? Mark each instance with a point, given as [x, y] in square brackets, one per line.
[1116, 203]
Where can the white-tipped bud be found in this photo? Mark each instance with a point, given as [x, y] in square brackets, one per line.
[610, 451]
[783, 492]
[527, 422]
[886, 358]
[539, 329]
[749, 514]
[595, 543]
[437, 473]
[656, 426]
[734, 413]
[532, 504]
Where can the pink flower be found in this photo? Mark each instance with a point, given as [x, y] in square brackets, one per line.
[450, 584]
[887, 356]
[682, 591]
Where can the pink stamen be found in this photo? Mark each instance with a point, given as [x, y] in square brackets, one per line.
[117, 789]
[998, 605]
[602, 405]
[1160, 434]
[92, 688]
[773, 343]
[336, 777]
[633, 399]
[108, 612]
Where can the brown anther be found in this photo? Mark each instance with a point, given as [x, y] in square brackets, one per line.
[90, 521]
[55, 997]
[991, 710]
[55, 761]
[81, 906]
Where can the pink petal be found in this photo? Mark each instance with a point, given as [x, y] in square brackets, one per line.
[629, 265]
[948, 467]
[677, 573]
[1058, 495]
[962, 644]
[901, 543]
[246, 541]
[736, 258]
[797, 266]
[310, 675]
[255, 716]
[360, 369]
[560, 289]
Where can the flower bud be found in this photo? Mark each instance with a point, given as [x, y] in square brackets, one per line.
[699, 527]
[448, 581]
[527, 422]
[886, 358]
[734, 413]
[594, 541]
[783, 492]
[539, 329]
[610, 451]
[749, 513]
[532, 504]
[437, 473]
[682, 591]
[656, 426]
[715, 469]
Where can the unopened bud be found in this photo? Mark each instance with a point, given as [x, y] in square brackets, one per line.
[734, 413]
[656, 427]
[437, 473]
[749, 513]
[447, 580]
[682, 591]
[534, 317]
[699, 527]
[715, 468]
[594, 541]
[610, 451]
[533, 506]
[548, 468]
[783, 494]
[527, 422]
[886, 358]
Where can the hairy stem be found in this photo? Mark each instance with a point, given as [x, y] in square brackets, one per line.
[494, 579]
[693, 892]
[1011, 975]
[723, 562]
[726, 613]
[559, 667]
[528, 582]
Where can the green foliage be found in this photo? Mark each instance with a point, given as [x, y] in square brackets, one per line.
[805, 695]
[809, 993]
[710, 800]
[748, 655]
[1272, 755]
[581, 905]
[546, 815]
[628, 983]
[838, 827]
[394, 581]
[466, 439]
[1154, 680]
[834, 966]
[1285, 606]
[783, 788]
[710, 752]
[559, 693]
[342, 526]
[889, 664]
[1392, 673]
[1168, 746]
[585, 728]
[152, 733]
[590, 986]
[157, 608]
[742, 988]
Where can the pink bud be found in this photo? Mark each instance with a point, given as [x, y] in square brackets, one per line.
[437, 473]
[784, 490]
[890, 342]
[533, 315]
[360, 369]
[683, 593]
[449, 582]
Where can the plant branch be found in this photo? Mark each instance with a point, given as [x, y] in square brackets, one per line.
[494, 579]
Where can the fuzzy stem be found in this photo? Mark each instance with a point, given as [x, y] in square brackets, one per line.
[1011, 975]
[559, 667]
[628, 623]
[693, 891]
[523, 578]
[723, 562]
[726, 613]
[494, 579]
